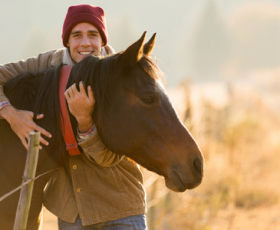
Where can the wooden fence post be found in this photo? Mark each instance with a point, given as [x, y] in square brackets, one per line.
[153, 208]
[29, 173]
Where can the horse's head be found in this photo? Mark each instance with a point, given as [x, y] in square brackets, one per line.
[135, 118]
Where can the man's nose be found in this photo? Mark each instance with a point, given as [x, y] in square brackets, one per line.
[85, 41]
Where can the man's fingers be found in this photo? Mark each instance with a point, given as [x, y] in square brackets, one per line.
[69, 92]
[43, 141]
[40, 116]
[22, 124]
[66, 95]
[24, 142]
[90, 94]
[74, 89]
[31, 114]
[82, 88]
[42, 131]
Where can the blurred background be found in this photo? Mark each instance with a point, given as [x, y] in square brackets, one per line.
[221, 60]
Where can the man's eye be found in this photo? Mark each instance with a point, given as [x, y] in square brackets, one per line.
[92, 35]
[76, 35]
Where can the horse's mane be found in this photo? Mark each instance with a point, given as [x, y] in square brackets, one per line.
[47, 103]
[95, 71]
[151, 68]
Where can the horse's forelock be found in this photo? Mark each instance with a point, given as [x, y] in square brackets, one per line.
[151, 68]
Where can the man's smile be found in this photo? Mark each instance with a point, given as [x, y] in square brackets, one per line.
[85, 53]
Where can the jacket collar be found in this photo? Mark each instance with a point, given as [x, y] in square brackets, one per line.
[67, 60]
[63, 56]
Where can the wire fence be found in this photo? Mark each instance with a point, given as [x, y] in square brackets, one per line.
[27, 185]
[22, 185]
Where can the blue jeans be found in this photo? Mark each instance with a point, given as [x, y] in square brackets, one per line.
[128, 223]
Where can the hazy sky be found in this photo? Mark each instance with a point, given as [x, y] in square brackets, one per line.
[32, 26]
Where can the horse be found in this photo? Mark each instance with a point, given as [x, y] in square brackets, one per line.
[132, 114]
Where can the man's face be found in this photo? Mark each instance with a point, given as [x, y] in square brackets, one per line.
[84, 40]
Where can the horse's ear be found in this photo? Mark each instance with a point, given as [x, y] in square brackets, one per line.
[149, 46]
[134, 52]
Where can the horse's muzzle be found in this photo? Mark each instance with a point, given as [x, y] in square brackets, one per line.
[180, 179]
[198, 168]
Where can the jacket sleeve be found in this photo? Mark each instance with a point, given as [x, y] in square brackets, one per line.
[95, 151]
[34, 64]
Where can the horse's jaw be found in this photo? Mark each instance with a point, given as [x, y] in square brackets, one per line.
[178, 176]
[178, 180]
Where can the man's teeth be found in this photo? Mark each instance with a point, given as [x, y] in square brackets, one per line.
[85, 53]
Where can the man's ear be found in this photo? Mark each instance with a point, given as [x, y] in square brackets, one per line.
[68, 44]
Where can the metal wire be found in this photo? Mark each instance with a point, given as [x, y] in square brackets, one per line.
[25, 183]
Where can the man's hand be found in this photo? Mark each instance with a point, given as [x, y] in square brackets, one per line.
[81, 106]
[22, 124]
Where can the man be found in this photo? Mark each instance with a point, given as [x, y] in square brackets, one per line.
[97, 189]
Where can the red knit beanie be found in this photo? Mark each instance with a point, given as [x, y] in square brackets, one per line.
[84, 13]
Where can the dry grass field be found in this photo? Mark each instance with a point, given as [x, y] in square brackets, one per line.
[238, 132]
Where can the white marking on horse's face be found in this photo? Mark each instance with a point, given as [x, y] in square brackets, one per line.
[161, 91]
[160, 86]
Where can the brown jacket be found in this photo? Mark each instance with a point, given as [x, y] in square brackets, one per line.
[98, 184]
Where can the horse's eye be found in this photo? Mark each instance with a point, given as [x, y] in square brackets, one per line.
[148, 100]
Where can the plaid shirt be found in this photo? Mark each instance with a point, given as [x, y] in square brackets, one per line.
[88, 134]
[4, 103]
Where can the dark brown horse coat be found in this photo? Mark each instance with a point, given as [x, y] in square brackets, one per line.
[133, 116]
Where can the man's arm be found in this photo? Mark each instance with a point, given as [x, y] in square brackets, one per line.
[81, 107]
[96, 151]
[22, 121]
[34, 64]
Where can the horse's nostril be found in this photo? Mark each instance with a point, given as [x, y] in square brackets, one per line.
[198, 167]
